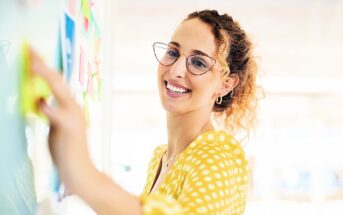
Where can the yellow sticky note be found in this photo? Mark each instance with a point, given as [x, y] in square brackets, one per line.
[32, 87]
[86, 9]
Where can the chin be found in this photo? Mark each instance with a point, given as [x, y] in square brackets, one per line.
[173, 108]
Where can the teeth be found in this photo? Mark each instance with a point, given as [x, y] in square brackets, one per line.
[175, 89]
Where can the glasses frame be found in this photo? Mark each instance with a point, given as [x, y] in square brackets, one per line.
[187, 57]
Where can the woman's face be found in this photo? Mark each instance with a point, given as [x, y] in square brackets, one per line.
[195, 92]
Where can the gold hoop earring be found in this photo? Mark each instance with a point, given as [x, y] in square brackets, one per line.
[219, 100]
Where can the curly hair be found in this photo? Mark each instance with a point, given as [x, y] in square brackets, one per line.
[238, 108]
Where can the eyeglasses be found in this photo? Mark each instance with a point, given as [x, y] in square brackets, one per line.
[196, 64]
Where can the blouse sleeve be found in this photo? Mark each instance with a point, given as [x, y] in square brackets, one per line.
[216, 183]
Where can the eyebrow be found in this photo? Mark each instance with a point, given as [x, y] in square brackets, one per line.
[195, 51]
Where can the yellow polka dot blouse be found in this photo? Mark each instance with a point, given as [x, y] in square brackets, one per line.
[209, 177]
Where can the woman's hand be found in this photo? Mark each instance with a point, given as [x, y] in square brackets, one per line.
[67, 137]
[67, 142]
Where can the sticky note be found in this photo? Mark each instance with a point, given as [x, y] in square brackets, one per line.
[32, 87]
[85, 24]
[95, 25]
[59, 53]
[86, 107]
[91, 3]
[86, 9]
[72, 7]
[99, 87]
[68, 44]
[81, 67]
[97, 41]
[90, 81]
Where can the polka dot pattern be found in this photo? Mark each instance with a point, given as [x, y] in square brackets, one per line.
[209, 177]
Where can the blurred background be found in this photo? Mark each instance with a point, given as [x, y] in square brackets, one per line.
[296, 153]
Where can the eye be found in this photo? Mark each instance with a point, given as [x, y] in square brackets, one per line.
[172, 53]
[198, 62]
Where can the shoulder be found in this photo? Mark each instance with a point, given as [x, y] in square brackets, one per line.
[215, 142]
[215, 150]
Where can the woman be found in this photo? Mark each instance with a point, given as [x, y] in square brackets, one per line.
[206, 68]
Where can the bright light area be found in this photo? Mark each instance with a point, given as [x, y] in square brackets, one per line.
[297, 152]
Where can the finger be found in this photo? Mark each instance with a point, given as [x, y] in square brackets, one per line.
[53, 78]
[53, 114]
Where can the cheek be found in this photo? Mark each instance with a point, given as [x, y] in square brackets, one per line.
[208, 86]
[160, 76]
[160, 71]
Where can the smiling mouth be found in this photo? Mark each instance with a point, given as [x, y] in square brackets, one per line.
[176, 90]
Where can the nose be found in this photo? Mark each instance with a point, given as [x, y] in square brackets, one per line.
[179, 68]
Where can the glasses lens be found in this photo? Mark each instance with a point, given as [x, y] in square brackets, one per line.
[199, 64]
[165, 54]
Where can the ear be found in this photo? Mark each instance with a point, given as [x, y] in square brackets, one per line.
[228, 84]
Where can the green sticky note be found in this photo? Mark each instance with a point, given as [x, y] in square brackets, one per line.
[95, 24]
[32, 87]
[86, 107]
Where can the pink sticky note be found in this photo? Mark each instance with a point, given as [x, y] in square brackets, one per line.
[72, 7]
[85, 23]
[91, 3]
[82, 67]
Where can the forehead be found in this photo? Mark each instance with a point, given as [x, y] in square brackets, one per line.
[194, 34]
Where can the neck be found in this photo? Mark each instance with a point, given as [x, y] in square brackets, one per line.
[184, 128]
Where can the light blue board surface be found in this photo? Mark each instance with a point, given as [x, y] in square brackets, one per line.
[39, 25]
[17, 194]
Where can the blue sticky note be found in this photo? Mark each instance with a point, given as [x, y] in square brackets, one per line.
[69, 39]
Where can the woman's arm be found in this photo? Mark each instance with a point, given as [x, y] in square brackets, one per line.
[68, 148]
[103, 195]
